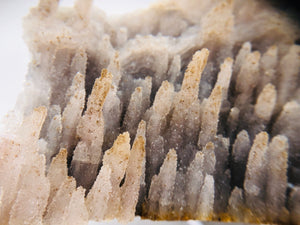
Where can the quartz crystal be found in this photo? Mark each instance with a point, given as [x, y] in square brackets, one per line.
[189, 109]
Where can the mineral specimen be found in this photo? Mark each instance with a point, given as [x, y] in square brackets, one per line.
[187, 110]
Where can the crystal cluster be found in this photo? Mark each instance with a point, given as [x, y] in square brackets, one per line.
[187, 110]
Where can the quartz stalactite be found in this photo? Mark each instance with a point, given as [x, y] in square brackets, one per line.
[255, 176]
[87, 154]
[162, 185]
[186, 110]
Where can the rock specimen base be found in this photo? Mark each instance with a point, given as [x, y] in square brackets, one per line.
[187, 110]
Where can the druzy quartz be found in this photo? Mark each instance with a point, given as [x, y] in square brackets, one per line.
[187, 110]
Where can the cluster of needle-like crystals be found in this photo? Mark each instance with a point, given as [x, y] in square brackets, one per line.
[187, 110]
